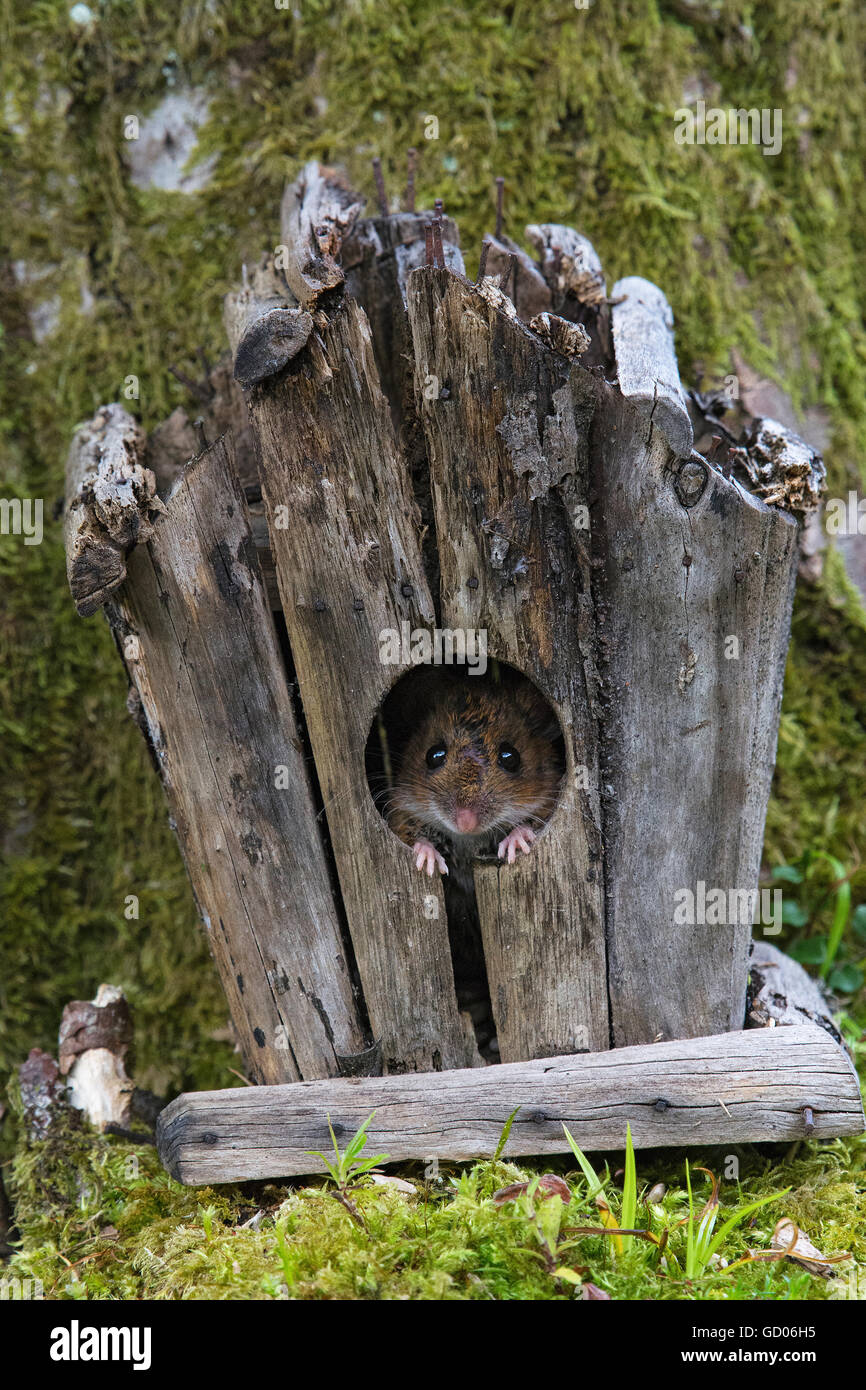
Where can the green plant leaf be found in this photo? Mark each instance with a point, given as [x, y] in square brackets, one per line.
[503, 1138]
[787, 873]
[811, 950]
[846, 978]
[793, 915]
[840, 919]
[858, 920]
[595, 1183]
[740, 1215]
[629, 1188]
[548, 1217]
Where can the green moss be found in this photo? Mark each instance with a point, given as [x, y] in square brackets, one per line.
[576, 110]
[98, 1218]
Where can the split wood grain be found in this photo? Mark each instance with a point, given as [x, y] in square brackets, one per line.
[193, 624]
[693, 598]
[344, 535]
[508, 427]
[110, 504]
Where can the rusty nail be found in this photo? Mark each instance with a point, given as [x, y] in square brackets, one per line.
[428, 243]
[411, 161]
[380, 186]
[472, 583]
[809, 1119]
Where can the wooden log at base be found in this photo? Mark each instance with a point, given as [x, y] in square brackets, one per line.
[769, 1084]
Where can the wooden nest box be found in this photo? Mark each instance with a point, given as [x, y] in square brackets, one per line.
[396, 448]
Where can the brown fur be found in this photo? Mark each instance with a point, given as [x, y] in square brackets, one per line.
[473, 716]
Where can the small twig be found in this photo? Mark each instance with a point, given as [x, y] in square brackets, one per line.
[411, 161]
[240, 1075]
[201, 392]
[438, 249]
[482, 264]
[345, 1201]
[380, 186]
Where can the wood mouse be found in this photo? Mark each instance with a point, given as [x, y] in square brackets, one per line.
[479, 769]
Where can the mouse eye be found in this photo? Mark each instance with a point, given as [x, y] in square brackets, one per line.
[436, 755]
[509, 758]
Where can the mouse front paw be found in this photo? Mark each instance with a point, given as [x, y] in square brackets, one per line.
[521, 837]
[428, 857]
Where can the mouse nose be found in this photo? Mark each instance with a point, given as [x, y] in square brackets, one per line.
[466, 820]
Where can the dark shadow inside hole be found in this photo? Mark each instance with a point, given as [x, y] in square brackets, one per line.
[481, 722]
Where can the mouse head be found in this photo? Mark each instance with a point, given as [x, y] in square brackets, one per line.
[482, 759]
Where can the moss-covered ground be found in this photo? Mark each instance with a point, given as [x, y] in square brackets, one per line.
[575, 107]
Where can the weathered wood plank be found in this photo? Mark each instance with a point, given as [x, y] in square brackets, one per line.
[344, 534]
[318, 211]
[265, 326]
[508, 428]
[194, 627]
[781, 992]
[693, 599]
[570, 266]
[378, 257]
[646, 359]
[732, 1089]
[111, 504]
